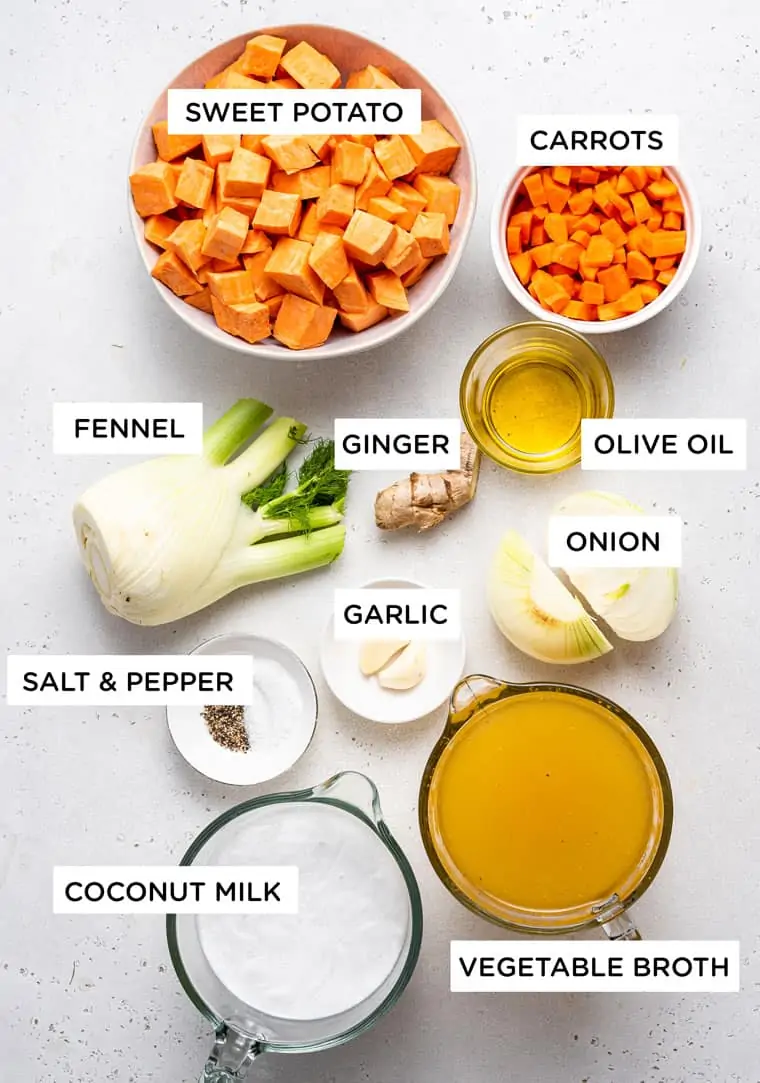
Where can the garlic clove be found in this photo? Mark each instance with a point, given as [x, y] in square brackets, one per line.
[375, 654]
[407, 670]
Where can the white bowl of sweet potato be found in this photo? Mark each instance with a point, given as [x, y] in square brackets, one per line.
[303, 247]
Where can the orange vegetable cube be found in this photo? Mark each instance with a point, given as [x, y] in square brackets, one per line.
[523, 266]
[557, 195]
[590, 223]
[404, 253]
[587, 175]
[157, 227]
[278, 213]
[631, 301]
[350, 293]
[655, 222]
[580, 237]
[153, 187]
[187, 241]
[568, 254]
[662, 189]
[289, 266]
[523, 220]
[556, 228]
[592, 293]
[385, 208]
[247, 174]
[248, 321]
[255, 241]
[289, 152]
[309, 227]
[321, 145]
[386, 288]
[219, 148]
[374, 184]
[232, 287]
[336, 205]
[534, 186]
[579, 310]
[172, 146]
[350, 163]
[641, 207]
[588, 273]
[514, 240]
[550, 293]
[636, 175]
[328, 259]
[170, 270]
[639, 266]
[394, 157]
[664, 263]
[615, 282]
[538, 235]
[543, 254]
[301, 325]
[671, 220]
[196, 179]
[666, 277]
[370, 315]
[649, 291]
[581, 202]
[600, 251]
[368, 238]
[562, 174]
[225, 235]
[432, 233]
[262, 55]
[409, 199]
[613, 232]
[434, 149]
[669, 242]
[416, 273]
[620, 255]
[673, 203]
[624, 186]
[264, 286]
[201, 300]
[540, 213]
[608, 312]
[441, 194]
[311, 69]
[370, 78]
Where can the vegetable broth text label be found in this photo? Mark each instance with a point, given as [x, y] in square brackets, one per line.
[567, 139]
[424, 615]
[664, 444]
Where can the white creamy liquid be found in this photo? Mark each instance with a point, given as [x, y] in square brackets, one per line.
[352, 923]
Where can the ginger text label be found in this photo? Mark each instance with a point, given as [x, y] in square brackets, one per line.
[417, 444]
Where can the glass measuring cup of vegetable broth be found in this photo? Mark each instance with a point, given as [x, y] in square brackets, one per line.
[297, 983]
[545, 808]
[525, 391]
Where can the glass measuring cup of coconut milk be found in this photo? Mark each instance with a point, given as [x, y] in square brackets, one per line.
[297, 983]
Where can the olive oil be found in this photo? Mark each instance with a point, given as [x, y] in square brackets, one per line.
[534, 404]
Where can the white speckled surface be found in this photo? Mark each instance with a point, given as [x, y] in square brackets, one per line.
[96, 1000]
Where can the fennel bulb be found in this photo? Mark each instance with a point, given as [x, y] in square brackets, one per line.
[167, 537]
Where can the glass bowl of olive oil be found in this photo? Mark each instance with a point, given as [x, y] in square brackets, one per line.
[525, 391]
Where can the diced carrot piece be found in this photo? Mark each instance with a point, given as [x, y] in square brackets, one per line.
[631, 301]
[666, 277]
[592, 293]
[578, 310]
[613, 232]
[654, 172]
[615, 282]
[644, 242]
[624, 186]
[581, 237]
[566, 281]
[633, 241]
[662, 189]
[641, 206]
[543, 254]
[655, 222]
[639, 266]
[669, 242]
[609, 312]
[523, 266]
[539, 213]
[600, 251]
[586, 175]
[590, 223]
[514, 240]
[637, 176]
[673, 203]
[557, 195]
[671, 220]
[581, 202]
[571, 221]
[537, 235]
[649, 291]
[664, 263]
[556, 228]
[568, 254]
[620, 255]
[588, 273]
[523, 220]
[534, 186]
[549, 292]
[562, 174]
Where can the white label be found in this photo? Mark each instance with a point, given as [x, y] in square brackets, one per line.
[651, 966]
[172, 889]
[128, 680]
[425, 615]
[127, 428]
[614, 541]
[664, 444]
[398, 443]
[294, 112]
[569, 139]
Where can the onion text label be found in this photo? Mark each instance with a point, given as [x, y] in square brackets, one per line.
[122, 680]
[294, 112]
[172, 889]
[614, 541]
[425, 615]
[128, 428]
[652, 966]
[397, 443]
[564, 139]
[664, 444]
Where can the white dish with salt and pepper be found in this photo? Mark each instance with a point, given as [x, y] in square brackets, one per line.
[279, 724]
[366, 697]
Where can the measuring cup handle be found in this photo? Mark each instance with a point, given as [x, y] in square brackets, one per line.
[231, 1057]
[621, 928]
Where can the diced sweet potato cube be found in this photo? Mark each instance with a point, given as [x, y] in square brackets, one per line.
[170, 270]
[252, 142]
[187, 241]
[386, 288]
[278, 213]
[615, 282]
[300, 324]
[394, 156]
[195, 182]
[249, 321]
[232, 287]
[410, 199]
[289, 152]
[264, 286]
[374, 184]
[274, 304]
[368, 238]
[247, 205]
[262, 55]
[235, 80]
[309, 227]
[370, 78]
[440, 193]
[321, 145]
[216, 80]
[247, 174]
[226, 235]
[255, 241]
[404, 253]
[359, 321]
[286, 83]
[328, 259]
[350, 293]
[350, 163]
[386, 208]
[158, 227]
[311, 69]
[432, 233]
[416, 273]
[289, 266]
[201, 300]
[172, 146]
[219, 148]
[434, 149]
[336, 205]
[153, 187]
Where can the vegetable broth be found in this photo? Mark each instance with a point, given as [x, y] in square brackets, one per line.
[545, 802]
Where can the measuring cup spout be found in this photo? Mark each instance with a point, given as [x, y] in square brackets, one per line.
[231, 1057]
[353, 788]
[472, 693]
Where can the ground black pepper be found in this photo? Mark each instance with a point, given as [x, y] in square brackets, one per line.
[226, 724]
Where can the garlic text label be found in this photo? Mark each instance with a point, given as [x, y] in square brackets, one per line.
[294, 112]
[429, 615]
[127, 428]
[664, 444]
[397, 443]
[172, 889]
[626, 139]
[122, 680]
[614, 541]
[654, 966]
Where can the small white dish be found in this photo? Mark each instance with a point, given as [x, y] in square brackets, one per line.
[280, 723]
[364, 696]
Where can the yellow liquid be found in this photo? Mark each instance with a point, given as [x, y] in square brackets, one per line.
[535, 406]
[546, 802]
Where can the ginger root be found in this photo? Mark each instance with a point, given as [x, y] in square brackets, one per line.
[424, 500]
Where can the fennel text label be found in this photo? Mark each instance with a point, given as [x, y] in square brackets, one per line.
[127, 428]
[423, 614]
[294, 112]
[664, 444]
[614, 541]
[653, 966]
[397, 443]
[124, 680]
[626, 139]
[169, 889]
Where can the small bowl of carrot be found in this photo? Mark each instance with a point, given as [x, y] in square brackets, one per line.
[597, 248]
